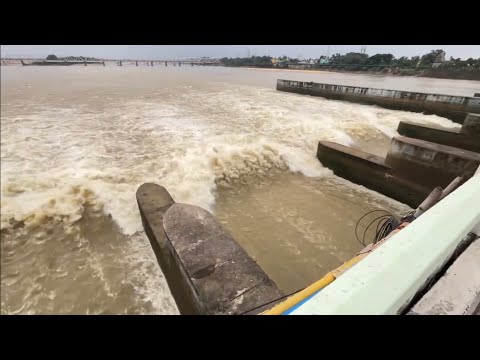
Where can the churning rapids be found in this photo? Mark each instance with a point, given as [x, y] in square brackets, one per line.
[76, 142]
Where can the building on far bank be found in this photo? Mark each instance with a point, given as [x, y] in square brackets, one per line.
[439, 59]
[301, 65]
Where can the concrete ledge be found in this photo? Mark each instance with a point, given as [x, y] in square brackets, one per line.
[222, 278]
[444, 137]
[471, 126]
[430, 164]
[451, 107]
[370, 171]
[458, 291]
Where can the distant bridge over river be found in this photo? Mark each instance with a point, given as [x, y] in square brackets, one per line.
[80, 60]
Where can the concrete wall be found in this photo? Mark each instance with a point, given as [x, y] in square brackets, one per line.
[430, 164]
[444, 137]
[206, 269]
[452, 107]
[371, 171]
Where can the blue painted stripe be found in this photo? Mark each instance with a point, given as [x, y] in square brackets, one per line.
[297, 305]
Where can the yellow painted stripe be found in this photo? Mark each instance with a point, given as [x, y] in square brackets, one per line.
[312, 289]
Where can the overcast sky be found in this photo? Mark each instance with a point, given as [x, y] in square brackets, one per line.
[186, 51]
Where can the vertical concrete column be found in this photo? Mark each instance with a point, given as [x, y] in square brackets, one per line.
[471, 125]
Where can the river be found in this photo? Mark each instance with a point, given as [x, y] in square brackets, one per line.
[76, 142]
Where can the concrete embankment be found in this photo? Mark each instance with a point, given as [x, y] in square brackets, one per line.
[207, 271]
[451, 107]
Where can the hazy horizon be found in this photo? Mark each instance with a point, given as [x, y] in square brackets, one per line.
[158, 52]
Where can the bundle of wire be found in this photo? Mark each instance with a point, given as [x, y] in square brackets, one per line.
[386, 223]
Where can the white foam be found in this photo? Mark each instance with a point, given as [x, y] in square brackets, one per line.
[57, 160]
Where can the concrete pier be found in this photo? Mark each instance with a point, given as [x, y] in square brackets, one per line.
[410, 171]
[429, 164]
[451, 107]
[457, 139]
[370, 171]
[471, 125]
[206, 269]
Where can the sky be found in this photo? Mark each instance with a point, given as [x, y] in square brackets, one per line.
[158, 52]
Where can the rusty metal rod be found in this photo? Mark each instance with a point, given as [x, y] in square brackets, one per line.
[452, 186]
[431, 200]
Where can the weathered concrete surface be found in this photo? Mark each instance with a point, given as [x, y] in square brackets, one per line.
[458, 291]
[153, 201]
[450, 138]
[451, 107]
[209, 273]
[471, 126]
[371, 171]
[219, 275]
[430, 164]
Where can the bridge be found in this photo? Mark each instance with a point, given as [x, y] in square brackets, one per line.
[167, 62]
[81, 60]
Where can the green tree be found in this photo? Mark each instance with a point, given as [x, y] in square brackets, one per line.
[355, 58]
[432, 57]
[380, 59]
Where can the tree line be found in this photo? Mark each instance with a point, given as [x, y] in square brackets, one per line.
[361, 59]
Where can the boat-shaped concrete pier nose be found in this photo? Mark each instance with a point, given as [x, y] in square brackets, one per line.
[225, 278]
[207, 271]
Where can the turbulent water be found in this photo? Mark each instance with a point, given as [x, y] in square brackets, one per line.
[76, 142]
